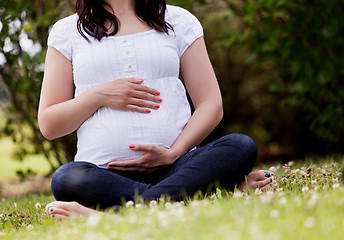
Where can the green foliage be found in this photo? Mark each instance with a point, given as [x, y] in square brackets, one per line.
[301, 45]
[23, 37]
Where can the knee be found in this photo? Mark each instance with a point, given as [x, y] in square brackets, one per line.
[243, 144]
[241, 140]
[246, 142]
[68, 177]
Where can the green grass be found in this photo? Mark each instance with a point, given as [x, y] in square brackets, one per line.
[304, 202]
[9, 166]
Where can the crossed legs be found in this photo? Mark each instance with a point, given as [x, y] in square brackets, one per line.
[228, 160]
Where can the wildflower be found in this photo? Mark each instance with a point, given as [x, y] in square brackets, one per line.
[129, 204]
[310, 222]
[290, 163]
[270, 194]
[113, 234]
[238, 194]
[168, 205]
[313, 200]
[274, 213]
[15, 205]
[272, 170]
[195, 204]
[178, 204]
[267, 196]
[132, 218]
[153, 203]
[178, 212]
[257, 191]
[305, 189]
[283, 200]
[198, 203]
[280, 194]
[163, 218]
[139, 205]
[93, 220]
[38, 206]
[336, 185]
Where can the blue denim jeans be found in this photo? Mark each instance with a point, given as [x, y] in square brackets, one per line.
[226, 161]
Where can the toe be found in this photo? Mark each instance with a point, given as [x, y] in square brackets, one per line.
[264, 183]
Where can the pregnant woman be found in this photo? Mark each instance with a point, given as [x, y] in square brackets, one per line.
[111, 73]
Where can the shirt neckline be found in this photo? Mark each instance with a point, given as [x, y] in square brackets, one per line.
[131, 35]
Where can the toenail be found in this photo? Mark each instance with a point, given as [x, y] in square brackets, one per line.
[267, 174]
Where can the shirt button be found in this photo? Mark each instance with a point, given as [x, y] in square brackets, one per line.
[129, 66]
[124, 41]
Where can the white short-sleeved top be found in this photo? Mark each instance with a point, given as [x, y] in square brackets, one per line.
[151, 55]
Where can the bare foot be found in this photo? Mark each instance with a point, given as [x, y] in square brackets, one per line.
[60, 210]
[260, 179]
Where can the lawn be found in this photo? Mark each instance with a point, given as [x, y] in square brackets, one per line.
[304, 202]
[9, 166]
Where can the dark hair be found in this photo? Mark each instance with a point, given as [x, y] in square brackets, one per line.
[93, 15]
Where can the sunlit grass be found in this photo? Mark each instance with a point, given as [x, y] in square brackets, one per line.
[9, 166]
[304, 202]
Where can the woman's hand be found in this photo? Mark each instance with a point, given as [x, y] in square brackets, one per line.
[128, 95]
[155, 157]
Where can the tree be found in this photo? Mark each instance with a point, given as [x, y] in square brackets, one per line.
[301, 44]
[280, 68]
[24, 28]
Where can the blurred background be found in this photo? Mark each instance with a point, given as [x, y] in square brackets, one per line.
[279, 63]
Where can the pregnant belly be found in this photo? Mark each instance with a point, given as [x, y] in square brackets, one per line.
[107, 134]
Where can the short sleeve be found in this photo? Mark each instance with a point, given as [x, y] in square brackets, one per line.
[59, 37]
[186, 26]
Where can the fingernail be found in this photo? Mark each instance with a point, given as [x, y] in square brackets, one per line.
[148, 111]
[270, 179]
[51, 209]
[141, 79]
[53, 216]
[159, 99]
[157, 106]
[267, 174]
[132, 145]
[157, 93]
